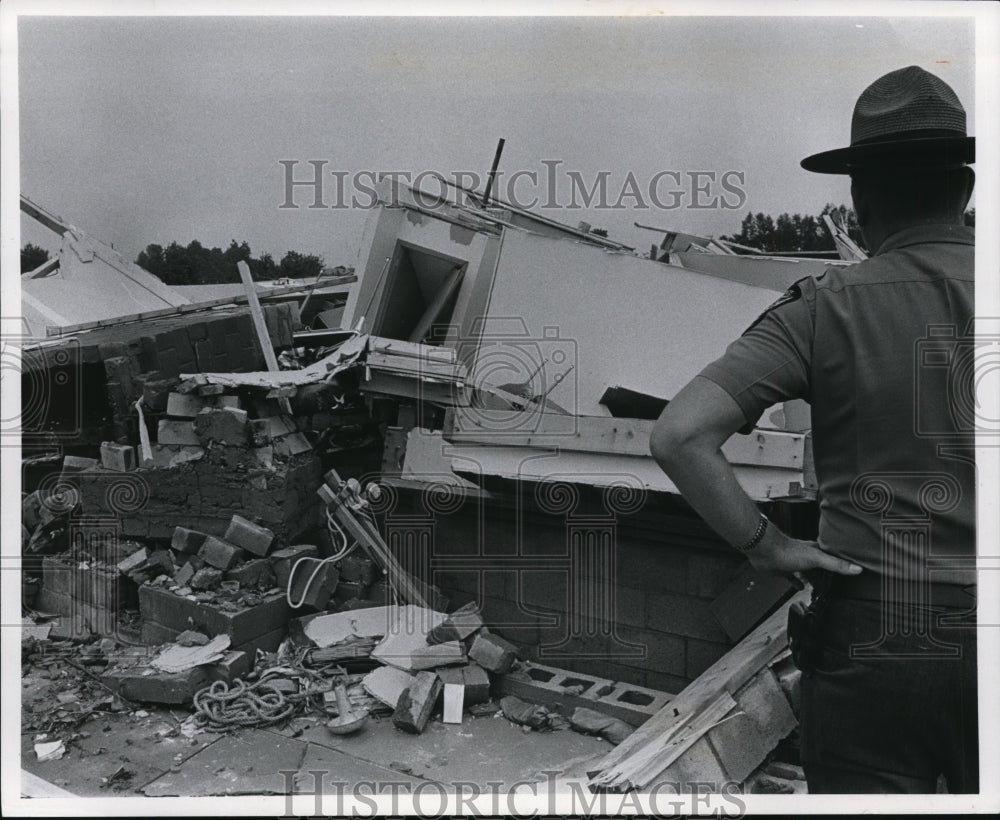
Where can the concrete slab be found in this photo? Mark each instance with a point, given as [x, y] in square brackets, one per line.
[115, 741]
[250, 761]
[335, 771]
[481, 750]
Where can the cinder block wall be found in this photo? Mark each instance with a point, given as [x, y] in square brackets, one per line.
[633, 606]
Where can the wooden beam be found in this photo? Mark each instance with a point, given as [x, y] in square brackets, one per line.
[727, 674]
[43, 217]
[260, 327]
[599, 434]
[194, 307]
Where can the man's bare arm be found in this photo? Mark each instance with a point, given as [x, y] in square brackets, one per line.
[686, 443]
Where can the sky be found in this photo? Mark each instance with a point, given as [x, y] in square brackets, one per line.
[147, 130]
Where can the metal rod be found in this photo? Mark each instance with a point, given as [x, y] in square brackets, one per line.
[493, 173]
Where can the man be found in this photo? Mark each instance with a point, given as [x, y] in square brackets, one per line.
[887, 650]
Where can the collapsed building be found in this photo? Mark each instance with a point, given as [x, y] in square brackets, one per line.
[438, 467]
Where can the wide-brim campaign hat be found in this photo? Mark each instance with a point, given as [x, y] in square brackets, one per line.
[908, 117]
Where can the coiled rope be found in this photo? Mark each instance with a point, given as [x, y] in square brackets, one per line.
[256, 704]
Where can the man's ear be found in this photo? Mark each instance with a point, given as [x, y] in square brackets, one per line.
[969, 176]
[859, 198]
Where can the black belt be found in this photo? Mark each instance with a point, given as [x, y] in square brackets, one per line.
[870, 586]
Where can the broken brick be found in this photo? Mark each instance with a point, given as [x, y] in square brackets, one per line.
[206, 578]
[251, 574]
[251, 537]
[493, 653]
[187, 541]
[119, 457]
[458, 626]
[76, 464]
[220, 553]
[155, 394]
[415, 705]
[442, 654]
[184, 575]
[320, 587]
[283, 560]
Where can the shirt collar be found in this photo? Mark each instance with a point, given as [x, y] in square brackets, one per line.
[921, 234]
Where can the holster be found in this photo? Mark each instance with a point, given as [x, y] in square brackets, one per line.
[804, 627]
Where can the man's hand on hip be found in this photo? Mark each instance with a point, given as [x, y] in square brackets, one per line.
[778, 553]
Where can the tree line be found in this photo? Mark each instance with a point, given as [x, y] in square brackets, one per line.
[803, 233]
[198, 265]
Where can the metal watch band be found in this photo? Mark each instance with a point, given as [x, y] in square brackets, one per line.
[757, 536]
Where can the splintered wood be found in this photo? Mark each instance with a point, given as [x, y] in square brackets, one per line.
[718, 729]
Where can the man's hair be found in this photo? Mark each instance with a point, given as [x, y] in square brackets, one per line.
[915, 193]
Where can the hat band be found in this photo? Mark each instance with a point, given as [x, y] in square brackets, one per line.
[917, 134]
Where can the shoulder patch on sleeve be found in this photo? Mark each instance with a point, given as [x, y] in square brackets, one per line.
[793, 293]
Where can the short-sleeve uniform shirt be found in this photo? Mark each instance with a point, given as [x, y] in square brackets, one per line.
[889, 419]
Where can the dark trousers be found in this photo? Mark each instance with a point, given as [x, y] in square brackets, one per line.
[899, 715]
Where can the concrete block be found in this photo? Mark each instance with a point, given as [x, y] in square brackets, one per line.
[313, 595]
[355, 567]
[564, 691]
[226, 425]
[243, 625]
[77, 464]
[493, 653]
[220, 553]
[763, 717]
[184, 575]
[154, 634]
[181, 433]
[207, 578]
[157, 686]
[253, 574]
[462, 623]
[442, 654]
[185, 405]
[283, 560]
[120, 457]
[211, 390]
[251, 537]
[155, 394]
[416, 703]
[278, 426]
[187, 541]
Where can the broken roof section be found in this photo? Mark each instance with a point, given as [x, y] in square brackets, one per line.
[88, 281]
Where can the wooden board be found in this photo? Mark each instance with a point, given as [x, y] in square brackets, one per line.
[727, 674]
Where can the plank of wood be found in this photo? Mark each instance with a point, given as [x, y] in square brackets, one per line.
[728, 674]
[397, 347]
[597, 434]
[639, 770]
[454, 702]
